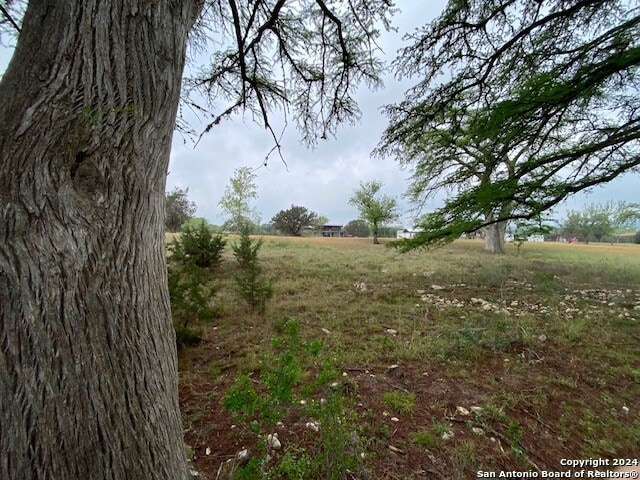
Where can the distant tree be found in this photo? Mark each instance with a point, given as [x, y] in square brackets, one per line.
[235, 201]
[319, 222]
[596, 221]
[178, 209]
[293, 220]
[625, 215]
[539, 103]
[357, 228]
[636, 238]
[374, 209]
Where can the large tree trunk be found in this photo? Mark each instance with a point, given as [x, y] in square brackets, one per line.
[88, 376]
[494, 237]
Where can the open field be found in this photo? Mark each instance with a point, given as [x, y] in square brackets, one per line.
[443, 363]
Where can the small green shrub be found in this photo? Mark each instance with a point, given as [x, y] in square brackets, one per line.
[190, 296]
[252, 286]
[295, 464]
[197, 245]
[192, 254]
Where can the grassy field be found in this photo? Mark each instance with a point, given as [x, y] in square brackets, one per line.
[439, 363]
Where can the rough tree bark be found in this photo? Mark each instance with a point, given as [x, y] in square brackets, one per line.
[88, 376]
[494, 237]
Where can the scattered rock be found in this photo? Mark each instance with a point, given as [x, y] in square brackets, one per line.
[361, 286]
[462, 411]
[394, 419]
[273, 442]
[436, 287]
[207, 451]
[326, 331]
[242, 454]
[542, 338]
[391, 331]
[625, 410]
[477, 431]
[447, 435]
[392, 367]
[476, 409]
[315, 426]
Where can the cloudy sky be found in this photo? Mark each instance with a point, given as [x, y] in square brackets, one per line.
[320, 179]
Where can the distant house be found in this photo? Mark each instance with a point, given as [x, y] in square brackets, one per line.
[331, 231]
[407, 233]
[624, 237]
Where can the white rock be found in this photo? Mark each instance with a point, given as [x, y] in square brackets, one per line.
[242, 454]
[625, 409]
[476, 409]
[273, 442]
[447, 435]
[207, 451]
[394, 419]
[313, 426]
[477, 431]
[462, 411]
[391, 331]
[436, 287]
[326, 331]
